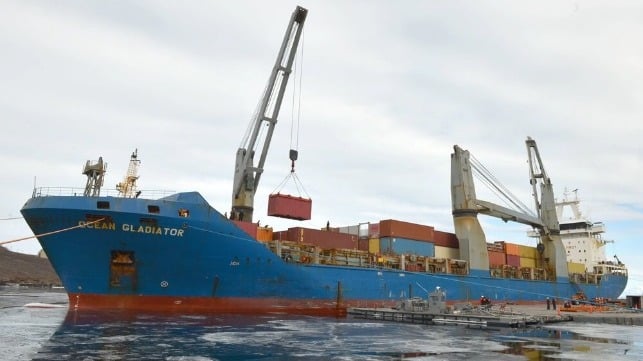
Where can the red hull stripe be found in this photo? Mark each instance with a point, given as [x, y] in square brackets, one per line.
[207, 305]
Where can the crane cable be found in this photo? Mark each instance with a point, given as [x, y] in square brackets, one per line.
[295, 115]
[53, 232]
[296, 95]
[495, 186]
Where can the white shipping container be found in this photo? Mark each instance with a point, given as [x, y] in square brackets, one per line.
[447, 252]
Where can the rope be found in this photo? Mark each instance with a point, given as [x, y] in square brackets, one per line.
[296, 181]
[10, 219]
[52, 232]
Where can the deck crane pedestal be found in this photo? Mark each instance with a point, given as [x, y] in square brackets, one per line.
[246, 173]
[466, 207]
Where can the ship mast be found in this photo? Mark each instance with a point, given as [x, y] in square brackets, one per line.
[127, 188]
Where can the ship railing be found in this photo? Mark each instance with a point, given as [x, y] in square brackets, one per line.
[79, 192]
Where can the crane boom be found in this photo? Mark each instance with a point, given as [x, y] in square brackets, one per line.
[546, 205]
[246, 174]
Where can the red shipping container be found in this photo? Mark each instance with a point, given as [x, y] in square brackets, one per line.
[445, 239]
[394, 228]
[513, 260]
[322, 239]
[373, 230]
[279, 235]
[362, 244]
[248, 227]
[285, 206]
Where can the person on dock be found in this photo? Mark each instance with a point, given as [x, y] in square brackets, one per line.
[553, 303]
[484, 301]
[548, 303]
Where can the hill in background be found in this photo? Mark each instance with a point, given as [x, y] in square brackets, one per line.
[26, 269]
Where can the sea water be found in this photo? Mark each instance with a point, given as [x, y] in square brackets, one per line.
[37, 333]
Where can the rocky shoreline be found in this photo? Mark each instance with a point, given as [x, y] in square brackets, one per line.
[26, 270]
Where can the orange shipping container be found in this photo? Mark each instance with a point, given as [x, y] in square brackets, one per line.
[497, 258]
[512, 249]
[394, 228]
[264, 234]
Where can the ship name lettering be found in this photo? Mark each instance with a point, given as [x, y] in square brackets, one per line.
[159, 231]
[110, 226]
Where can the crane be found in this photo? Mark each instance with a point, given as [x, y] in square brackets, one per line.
[246, 173]
[466, 206]
[551, 248]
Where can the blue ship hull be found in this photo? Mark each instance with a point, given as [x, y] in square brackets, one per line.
[179, 254]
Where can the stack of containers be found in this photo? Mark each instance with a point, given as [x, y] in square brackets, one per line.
[513, 254]
[446, 245]
[497, 255]
[398, 237]
[527, 256]
[317, 237]
[374, 238]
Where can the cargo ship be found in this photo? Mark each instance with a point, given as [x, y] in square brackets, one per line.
[133, 251]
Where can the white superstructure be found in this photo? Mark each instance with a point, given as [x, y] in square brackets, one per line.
[583, 239]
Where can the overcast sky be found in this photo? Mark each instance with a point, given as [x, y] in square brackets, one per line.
[387, 89]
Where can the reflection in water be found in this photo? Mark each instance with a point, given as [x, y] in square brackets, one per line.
[559, 344]
[116, 335]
